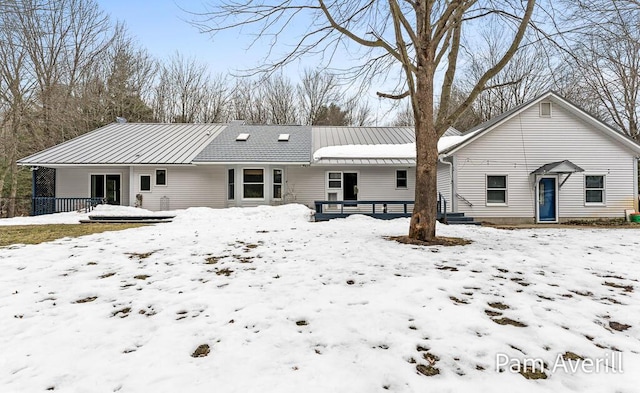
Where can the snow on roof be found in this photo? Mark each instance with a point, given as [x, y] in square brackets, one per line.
[401, 151]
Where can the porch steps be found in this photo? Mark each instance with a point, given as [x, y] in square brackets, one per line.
[127, 219]
[458, 219]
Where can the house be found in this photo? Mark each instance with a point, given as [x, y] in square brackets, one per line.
[544, 161]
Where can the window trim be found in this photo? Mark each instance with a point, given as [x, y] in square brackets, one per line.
[273, 184]
[603, 189]
[505, 189]
[406, 179]
[550, 109]
[140, 182]
[263, 184]
[166, 177]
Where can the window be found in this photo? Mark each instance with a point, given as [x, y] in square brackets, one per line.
[161, 177]
[594, 189]
[277, 184]
[231, 184]
[496, 190]
[283, 138]
[145, 182]
[242, 137]
[401, 178]
[545, 109]
[253, 183]
[97, 186]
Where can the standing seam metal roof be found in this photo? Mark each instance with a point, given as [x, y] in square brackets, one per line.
[131, 143]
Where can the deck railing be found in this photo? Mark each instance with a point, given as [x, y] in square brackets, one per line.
[382, 209]
[49, 205]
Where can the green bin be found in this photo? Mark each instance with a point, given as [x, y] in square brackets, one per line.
[635, 217]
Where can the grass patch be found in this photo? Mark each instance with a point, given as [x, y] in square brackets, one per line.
[36, 234]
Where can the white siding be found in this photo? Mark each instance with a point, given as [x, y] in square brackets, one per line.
[444, 184]
[191, 186]
[76, 182]
[307, 184]
[528, 141]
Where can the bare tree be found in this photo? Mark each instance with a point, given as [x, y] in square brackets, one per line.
[605, 61]
[186, 93]
[317, 89]
[46, 46]
[411, 39]
[526, 76]
[279, 96]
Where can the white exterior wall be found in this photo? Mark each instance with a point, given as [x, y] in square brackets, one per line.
[444, 184]
[76, 182]
[308, 184]
[528, 141]
[187, 186]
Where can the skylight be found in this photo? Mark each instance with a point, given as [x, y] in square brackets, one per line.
[242, 137]
[283, 138]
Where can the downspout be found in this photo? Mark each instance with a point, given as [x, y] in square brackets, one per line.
[636, 196]
[441, 159]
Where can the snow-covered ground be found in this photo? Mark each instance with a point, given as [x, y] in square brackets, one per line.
[75, 217]
[288, 305]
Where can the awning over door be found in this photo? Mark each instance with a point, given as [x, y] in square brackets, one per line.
[558, 168]
[564, 167]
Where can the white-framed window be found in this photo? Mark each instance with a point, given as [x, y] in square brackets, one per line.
[496, 190]
[145, 183]
[594, 189]
[277, 183]
[253, 183]
[231, 184]
[401, 178]
[545, 109]
[161, 177]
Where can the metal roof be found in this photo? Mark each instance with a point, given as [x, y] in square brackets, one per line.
[339, 136]
[131, 143]
[262, 145]
[558, 167]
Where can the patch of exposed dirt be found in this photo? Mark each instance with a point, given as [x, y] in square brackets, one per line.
[508, 321]
[202, 351]
[224, 272]
[492, 313]
[123, 313]
[620, 327]
[498, 305]
[571, 356]
[302, 322]
[86, 299]
[141, 276]
[135, 255]
[450, 268]
[459, 301]
[106, 275]
[626, 288]
[438, 241]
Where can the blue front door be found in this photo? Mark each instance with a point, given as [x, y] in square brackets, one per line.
[547, 199]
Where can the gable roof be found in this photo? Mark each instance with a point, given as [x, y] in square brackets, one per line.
[481, 129]
[131, 143]
[262, 145]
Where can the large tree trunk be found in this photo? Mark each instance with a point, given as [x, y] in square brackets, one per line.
[423, 219]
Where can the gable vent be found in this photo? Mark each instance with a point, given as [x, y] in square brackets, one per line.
[242, 137]
[283, 138]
